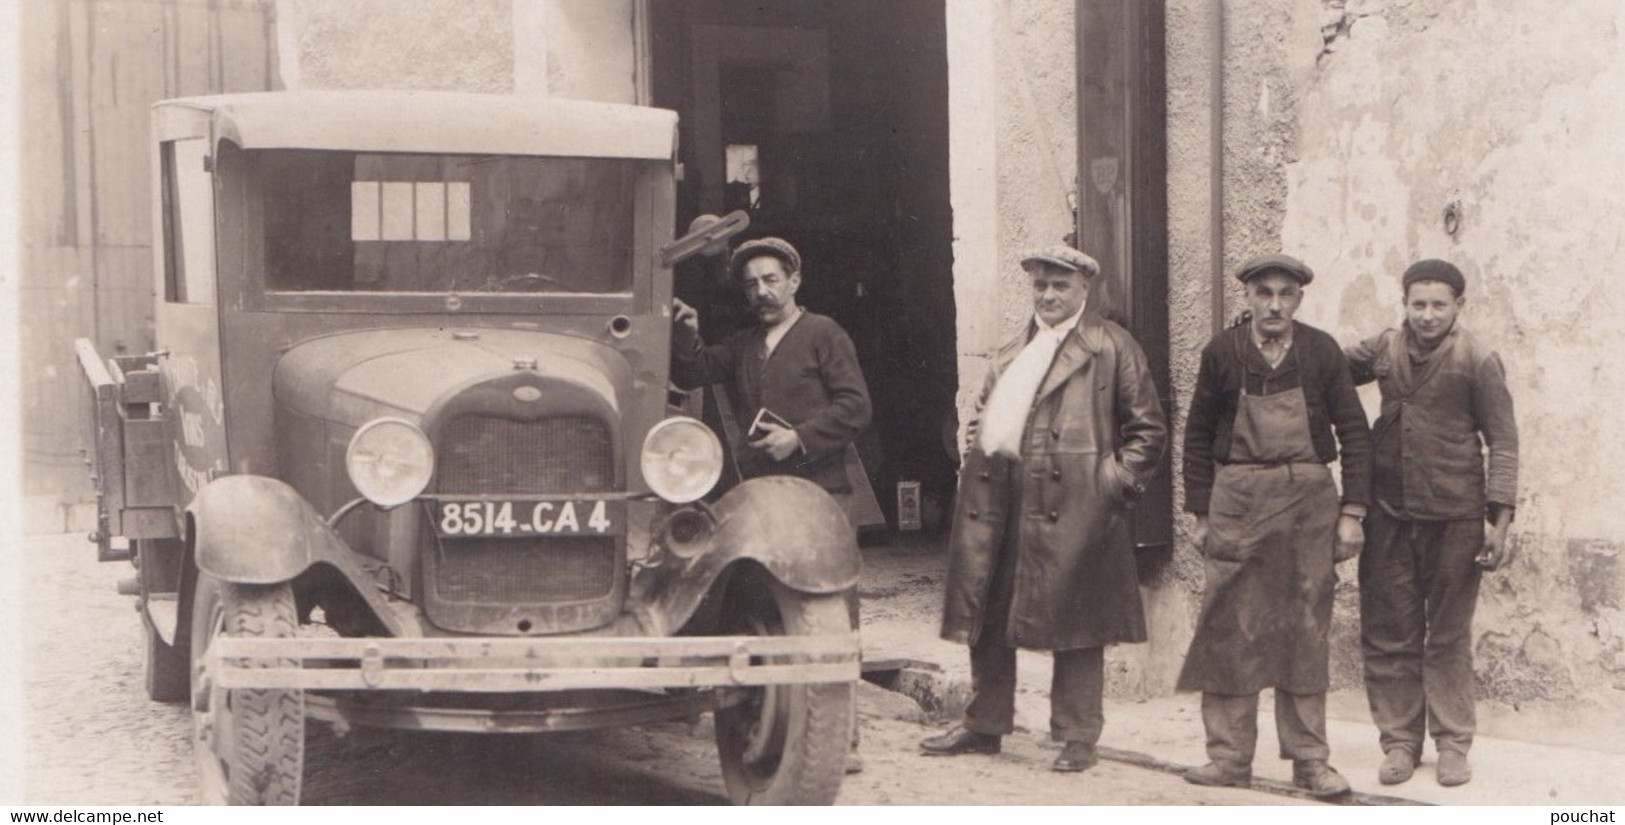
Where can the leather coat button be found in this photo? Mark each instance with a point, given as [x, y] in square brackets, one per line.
[1055, 474]
[1054, 433]
[973, 515]
[983, 475]
[1054, 516]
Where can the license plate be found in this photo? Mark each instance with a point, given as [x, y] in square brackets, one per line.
[530, 518]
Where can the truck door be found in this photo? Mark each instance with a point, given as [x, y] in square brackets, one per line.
[187, 313]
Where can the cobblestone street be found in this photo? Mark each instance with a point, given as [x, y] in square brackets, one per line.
[93, 737]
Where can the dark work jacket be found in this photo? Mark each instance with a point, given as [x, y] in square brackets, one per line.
[1094, 435]
[811, 380]
[1317, 364]
[1430, 459]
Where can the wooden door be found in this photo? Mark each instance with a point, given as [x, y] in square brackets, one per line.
[93, 69]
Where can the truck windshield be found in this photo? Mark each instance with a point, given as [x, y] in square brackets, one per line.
[369, 222]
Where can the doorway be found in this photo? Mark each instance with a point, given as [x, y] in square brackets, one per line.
[827, 120]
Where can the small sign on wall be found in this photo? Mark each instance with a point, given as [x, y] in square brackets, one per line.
[908, 505]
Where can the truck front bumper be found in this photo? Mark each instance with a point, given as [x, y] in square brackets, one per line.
[508, 665]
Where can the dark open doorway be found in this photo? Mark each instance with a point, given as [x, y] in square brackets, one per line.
[828, 121]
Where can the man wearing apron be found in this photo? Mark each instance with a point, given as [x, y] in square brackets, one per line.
[1270, 395]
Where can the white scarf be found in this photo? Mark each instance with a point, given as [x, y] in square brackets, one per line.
[1004, 420]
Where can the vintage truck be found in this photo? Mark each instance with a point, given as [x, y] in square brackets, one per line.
[404, 454]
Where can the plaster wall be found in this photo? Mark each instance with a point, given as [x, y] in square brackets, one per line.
[1194, 249]
[568, 48]
[1349, 127]
[1013, 148]
[397, 44]
[582, 49]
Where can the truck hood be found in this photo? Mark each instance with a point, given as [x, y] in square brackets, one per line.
[350, 378]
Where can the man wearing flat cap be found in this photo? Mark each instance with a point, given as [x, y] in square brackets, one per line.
[793, 378]
[1444, 401]
[1067, 431]
[1274, 404]
[799, 366]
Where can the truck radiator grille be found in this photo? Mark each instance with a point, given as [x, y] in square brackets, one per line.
[515, 571]
[487, 454]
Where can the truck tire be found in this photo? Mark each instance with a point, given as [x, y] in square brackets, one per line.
[249, 744]
[784, 744]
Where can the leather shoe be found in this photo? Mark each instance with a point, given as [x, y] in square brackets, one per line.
[958, 741]
[1076, 757]
[1215, 775]
[854, 762]
[1318, 778]
[1453, 769]
[1397, 766]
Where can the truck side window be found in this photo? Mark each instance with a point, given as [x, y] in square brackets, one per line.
[188, 222]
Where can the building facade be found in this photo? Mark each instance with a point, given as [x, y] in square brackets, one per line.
[915, 148]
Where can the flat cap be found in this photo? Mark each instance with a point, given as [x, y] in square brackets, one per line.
[1285, 264]
[1063, 257]
[1433, 269]
[777, 247]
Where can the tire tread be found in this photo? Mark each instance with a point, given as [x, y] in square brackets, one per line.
[267, 757]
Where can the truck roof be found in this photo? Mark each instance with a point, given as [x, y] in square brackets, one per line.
[425, 122]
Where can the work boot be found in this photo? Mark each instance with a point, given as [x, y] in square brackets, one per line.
[1076, 757]
[1397, 766]
[1453, 769]
[1215, 775]
[854, 762]
[958, 741]
[1318, 778]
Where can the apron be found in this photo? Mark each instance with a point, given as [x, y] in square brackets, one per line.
[1272, 524]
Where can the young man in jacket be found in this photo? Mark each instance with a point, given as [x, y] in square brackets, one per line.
[1068, 429]
[1270, 396]
[1444, 399]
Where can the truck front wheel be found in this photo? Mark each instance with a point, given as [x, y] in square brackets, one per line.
[249, 744]
[784, 744]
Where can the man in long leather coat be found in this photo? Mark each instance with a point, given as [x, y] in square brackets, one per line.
[1270, 396]
[1068, 429]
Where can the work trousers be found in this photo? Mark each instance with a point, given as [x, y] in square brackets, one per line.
[1077, 685]
[1232, 727]
[1418, 589]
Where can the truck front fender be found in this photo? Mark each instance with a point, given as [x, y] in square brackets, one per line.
[788, 525]
[252, 529]
[794, 528]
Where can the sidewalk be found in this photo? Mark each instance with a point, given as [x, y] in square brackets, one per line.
[902, 601]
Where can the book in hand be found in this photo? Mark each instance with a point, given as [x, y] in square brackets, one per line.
[765, 416]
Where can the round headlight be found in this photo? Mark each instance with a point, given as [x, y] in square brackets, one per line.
[390, 461]
[682, 459]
